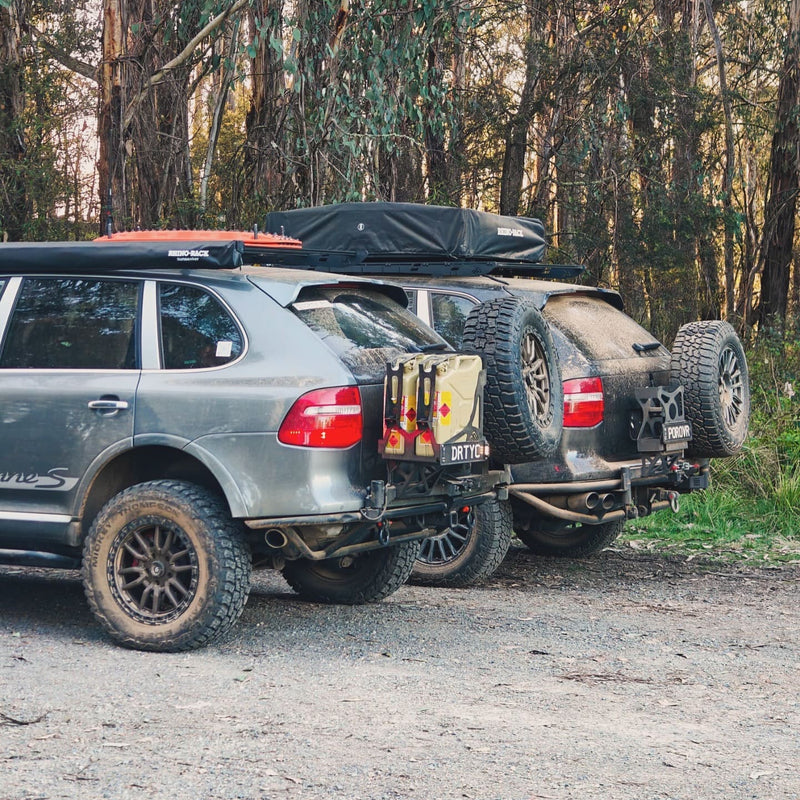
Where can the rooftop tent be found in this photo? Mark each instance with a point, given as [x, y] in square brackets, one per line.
[410, 237]
[403, 230]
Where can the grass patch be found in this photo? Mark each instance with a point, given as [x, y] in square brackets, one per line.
[724, 524]
[751, 512]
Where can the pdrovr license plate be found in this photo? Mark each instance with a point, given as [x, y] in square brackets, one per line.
[463, 453]
[674, 432]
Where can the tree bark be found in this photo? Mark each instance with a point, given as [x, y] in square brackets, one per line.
[14, 201]
[516, 141]
[783, 185]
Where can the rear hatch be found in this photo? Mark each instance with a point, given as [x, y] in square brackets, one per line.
[365, 328]
[595, 339]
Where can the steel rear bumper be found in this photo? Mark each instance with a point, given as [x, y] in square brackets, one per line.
[636, 489]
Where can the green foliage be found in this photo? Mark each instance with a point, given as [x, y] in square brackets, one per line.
[752, 509]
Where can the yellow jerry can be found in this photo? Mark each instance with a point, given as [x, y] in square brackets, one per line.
[450, 394]
[400, 393]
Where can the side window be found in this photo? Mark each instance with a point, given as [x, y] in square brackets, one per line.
[412, 300]
[196, 330]
[73, 323]
[449, 314]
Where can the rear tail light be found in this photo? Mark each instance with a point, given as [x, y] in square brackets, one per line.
[324, 418]
[583, 403]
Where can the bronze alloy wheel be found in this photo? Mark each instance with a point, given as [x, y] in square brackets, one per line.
[154, 570]
[536, 376]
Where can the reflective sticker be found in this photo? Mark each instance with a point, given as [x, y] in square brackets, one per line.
[442, 410]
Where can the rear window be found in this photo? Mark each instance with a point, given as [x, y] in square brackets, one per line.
[364, 327]
[600, 331]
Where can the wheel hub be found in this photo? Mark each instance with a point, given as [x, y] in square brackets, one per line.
[731, 386]
[154, 571]
[534, 374]
[447, 545]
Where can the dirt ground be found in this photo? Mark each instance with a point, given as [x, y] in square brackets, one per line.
[631, 675]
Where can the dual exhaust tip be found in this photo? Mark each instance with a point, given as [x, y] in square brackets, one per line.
[592, 501]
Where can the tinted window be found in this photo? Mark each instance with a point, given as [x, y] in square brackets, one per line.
[196, 330]
[449, 315]
[364, 327]
[73, 323]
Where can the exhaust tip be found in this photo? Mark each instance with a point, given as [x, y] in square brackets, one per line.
[275, 538]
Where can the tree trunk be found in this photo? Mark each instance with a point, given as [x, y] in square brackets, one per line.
[264, 159]
[730, 166]
[14, 202]
[782, 188]
[516, 142]
[111, 162]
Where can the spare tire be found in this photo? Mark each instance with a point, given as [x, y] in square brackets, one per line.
[524, 408]
[708, 360]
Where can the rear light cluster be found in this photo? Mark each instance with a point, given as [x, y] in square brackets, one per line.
[583, 403]
[324, 418]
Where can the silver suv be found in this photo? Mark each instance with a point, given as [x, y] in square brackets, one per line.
[166, 425]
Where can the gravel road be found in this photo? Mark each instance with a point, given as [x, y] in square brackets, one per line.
[631, 675]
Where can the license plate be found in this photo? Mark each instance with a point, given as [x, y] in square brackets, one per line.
[463, 453]
[674, 432]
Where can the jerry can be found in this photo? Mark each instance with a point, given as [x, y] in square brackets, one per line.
[449, 401]
[400, 404]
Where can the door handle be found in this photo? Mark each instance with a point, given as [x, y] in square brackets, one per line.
[106, 404]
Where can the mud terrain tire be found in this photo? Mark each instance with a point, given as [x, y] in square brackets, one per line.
[708, 360]
[468, 552]
[524, 408]
[165, 567]
[353, 580]
[565, 540]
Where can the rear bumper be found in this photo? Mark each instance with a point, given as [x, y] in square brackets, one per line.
[384, 503]
[633, 489]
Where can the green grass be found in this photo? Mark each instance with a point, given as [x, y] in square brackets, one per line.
[751, 512]
[721, 524]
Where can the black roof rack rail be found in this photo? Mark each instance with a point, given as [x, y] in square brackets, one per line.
[354, 263]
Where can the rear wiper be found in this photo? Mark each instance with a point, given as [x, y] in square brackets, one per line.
[437, 347]
[643, 348]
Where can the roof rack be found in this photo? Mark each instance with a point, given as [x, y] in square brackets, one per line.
[352, 263]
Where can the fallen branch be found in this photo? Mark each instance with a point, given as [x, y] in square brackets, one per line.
[9, 720]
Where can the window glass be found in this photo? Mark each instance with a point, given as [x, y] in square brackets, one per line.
[196, 330]
[449, 314]
[73, 323]
[365, 328]
[411, 294]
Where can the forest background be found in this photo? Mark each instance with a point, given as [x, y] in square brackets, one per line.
[659, 141]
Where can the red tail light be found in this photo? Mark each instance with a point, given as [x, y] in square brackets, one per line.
[324, 418]
[583, 403]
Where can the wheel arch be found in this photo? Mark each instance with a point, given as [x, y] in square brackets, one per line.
[154, 462]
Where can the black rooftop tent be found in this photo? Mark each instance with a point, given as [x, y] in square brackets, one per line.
[402, 238]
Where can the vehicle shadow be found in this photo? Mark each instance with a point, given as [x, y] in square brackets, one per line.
[45, 601]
